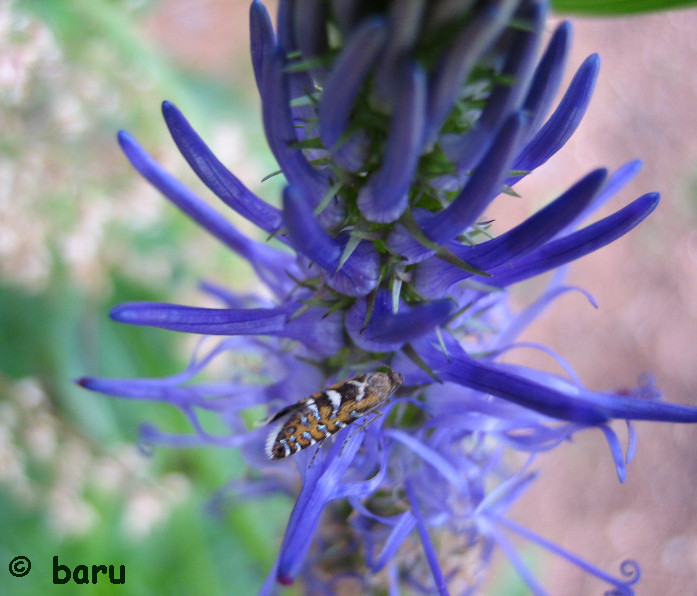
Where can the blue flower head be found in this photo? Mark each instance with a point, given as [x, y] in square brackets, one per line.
[395, 126]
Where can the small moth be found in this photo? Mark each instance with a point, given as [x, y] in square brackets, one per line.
[324, 413]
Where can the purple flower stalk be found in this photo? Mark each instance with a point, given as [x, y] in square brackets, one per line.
[396, 126]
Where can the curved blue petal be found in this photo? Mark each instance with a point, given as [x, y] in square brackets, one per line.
[385, 196]
[399, 533]
[538, 228]
[631, 442]
[505, 98]
[267, 261]
[320, 483]
[548, 76]
[401, 242]
[467, 49]
[575, 245]
[388, 331]
[151, 435]
[458, 367]
[520, 566]
[527, 315]
[429, 550]
[577, 405]
[225, 295]
[216, 176]
[299, 81]
[523, 392]
[305, 233]
[216, 398]
[482, 187]
[434, 277]
[356, 318]
[434, 458]
[346, 80]
[309, 18]
[206, 321]
[350, 154]
[564, 121]
[484, 184]
[404, 21]
[616, 182]
[261, 38]
[363, 488]
[405, 326]
[148, 389]
[613, 442]
[629, 569]
[322, 333]
[284, 25]
[159, 388]
[358, 275]
[281, 135]
[519, 65]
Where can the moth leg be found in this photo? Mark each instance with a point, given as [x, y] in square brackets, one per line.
[370, 417]
[314, 455]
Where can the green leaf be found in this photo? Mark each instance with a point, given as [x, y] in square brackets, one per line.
[329, 195]
[351, 246]
[618, 7]
[413, 355]
[408, 221]
[396, 291]
[445, 255]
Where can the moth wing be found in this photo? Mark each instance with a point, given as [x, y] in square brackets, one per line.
[279, 420]
[271, 439]
[285, 412]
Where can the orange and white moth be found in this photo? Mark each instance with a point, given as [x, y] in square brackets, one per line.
[324, 413]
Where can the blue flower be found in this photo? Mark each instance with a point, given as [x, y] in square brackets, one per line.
[395, 128]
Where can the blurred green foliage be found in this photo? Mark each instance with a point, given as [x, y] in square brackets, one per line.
[54, 325]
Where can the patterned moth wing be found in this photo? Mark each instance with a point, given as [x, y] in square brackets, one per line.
[324, 413]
